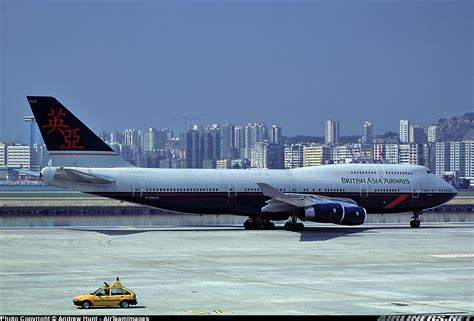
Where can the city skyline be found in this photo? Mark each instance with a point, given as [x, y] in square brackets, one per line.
[29, 128]
[295, 64]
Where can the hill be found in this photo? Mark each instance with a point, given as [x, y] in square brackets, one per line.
[457, 128]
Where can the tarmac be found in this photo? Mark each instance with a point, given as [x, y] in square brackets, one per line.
[373, 269]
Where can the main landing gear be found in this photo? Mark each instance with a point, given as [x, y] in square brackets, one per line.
[258, 223]
[415, 223]
[292, 225]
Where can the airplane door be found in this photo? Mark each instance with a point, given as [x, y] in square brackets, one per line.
[364, 190]
[294, 187]
[231, 191]
[380, 171]
[137, 190]
[415, 191]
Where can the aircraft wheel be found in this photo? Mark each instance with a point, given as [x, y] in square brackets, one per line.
[248, 225]
[299, 227]
[271, 225]
[288, 226]
[415, 223]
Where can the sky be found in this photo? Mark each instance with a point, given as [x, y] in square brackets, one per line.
[296, 64]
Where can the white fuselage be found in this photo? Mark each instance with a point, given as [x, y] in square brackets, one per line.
[380, 188]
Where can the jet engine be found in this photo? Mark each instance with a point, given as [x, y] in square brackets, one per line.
[324, 213]
[353, 215]
[334, 213]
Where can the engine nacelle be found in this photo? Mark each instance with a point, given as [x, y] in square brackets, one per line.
[353, 215]
[324, 213]
[335, 213]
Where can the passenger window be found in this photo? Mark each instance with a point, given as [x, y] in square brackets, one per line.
[116, 291]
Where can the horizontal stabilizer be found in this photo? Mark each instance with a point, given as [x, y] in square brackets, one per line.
[76, 176]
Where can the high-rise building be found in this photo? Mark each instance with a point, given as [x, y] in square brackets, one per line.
[417, 135]
[228, 150]
[211, 145]
[223, 164]
[42, 156]
[293, 155]
[433, 134]
[456, 158]
[3, 154]
[255, 133]
[469, 160]
[116, 137]
[331, 132]
[379, 153]
[367, 137]
[429, 155]
[410, 154]
[239, 141]
[315, 155]
[391, 153]
[131, 137]
[154, 139]
[343, 154]
[404, 131]
[31, 133]
[266, 155]
[275, 136]
[191, 149]
[21, 155]
[366, 154]
[441, 158]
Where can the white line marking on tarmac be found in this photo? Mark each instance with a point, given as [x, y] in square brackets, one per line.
[453, 255]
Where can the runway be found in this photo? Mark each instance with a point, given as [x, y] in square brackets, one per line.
[178, 270]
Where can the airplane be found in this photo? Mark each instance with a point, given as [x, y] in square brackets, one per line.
[340, 194]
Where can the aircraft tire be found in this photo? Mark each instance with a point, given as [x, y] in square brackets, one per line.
[415, 223]
[248, 225]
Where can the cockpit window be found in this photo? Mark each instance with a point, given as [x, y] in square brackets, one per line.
[428, 171]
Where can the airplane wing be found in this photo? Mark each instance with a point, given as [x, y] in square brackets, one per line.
[282, 202]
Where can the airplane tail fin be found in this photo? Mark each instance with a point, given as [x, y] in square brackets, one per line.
[68, 140]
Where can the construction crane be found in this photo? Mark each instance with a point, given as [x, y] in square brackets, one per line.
[186, 119]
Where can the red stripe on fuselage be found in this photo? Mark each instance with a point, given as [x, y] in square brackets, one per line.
[397, 201]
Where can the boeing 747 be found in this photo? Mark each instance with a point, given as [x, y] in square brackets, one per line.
[340, 194]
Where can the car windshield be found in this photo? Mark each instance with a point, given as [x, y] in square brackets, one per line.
[96, 291]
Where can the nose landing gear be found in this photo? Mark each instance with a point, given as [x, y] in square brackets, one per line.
[415, 223]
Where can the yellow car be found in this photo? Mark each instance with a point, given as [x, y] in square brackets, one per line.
[107, 296]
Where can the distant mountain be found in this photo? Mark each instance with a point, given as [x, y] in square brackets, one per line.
[389, 135]
[318, 139]
[303, 139]
[456, 128]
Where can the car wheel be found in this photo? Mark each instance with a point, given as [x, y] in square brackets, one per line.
[124, 304]
[86, 305]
